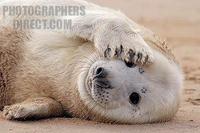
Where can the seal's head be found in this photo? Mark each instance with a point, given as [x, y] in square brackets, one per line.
[126, 93]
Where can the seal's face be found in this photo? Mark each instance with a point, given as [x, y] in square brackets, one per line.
[107, 87]
[127, 93]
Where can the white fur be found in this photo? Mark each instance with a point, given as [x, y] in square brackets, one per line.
[163, 78]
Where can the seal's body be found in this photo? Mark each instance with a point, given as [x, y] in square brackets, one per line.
[101, 69]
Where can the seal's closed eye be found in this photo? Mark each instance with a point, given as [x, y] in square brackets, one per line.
[130, 64]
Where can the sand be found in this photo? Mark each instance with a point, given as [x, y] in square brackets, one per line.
[179, 22]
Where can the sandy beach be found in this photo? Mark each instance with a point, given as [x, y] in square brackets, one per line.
[178, 21]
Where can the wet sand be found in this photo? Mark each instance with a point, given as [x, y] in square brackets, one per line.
[179, 22]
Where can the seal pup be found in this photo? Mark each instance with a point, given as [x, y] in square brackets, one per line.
[104, 68]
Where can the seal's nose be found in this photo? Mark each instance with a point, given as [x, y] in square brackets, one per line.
[134, 98]
[100, 78]
[100, 72]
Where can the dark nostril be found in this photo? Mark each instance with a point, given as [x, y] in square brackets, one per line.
[99, 70]
[100, 73]
[134, 98]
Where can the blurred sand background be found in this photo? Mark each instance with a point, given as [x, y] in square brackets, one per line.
[179, 22]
